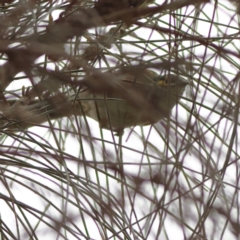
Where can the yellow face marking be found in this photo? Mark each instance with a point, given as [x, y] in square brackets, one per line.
[165, 83]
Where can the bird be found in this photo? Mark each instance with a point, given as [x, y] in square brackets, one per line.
[132, 98]
[138, 98]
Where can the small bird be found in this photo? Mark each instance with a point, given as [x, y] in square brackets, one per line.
[134, 98]
[140, 98]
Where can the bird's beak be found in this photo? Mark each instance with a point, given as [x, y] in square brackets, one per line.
[183, 83]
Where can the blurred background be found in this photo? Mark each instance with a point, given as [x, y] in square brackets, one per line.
[64, 177]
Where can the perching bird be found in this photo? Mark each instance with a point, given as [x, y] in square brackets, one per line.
[133, 98]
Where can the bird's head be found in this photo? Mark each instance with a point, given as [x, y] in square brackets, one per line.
[174, 84]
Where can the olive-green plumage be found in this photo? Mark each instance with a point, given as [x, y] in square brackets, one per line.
[147, 99]
[135, 98]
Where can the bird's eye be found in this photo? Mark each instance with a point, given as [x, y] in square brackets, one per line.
[164, 83]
